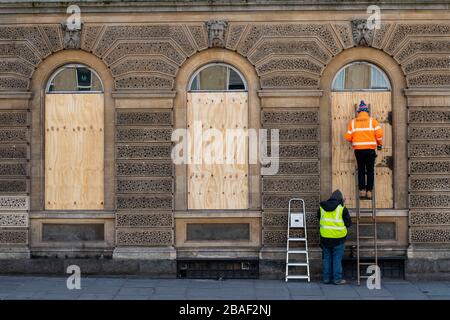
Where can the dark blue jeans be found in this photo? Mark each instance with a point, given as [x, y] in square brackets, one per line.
[332, 263]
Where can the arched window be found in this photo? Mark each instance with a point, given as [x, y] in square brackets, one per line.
[361, 76]
[358, 81]
[74, 78]
[74, 140]
[217, 100]
[217, 77]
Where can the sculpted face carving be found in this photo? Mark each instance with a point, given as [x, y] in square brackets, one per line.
[72, 37]
[362, 35]
[216, 33]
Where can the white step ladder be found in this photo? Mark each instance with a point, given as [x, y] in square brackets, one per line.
[297, 221]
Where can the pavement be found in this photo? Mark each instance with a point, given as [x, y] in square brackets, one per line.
[122, 288]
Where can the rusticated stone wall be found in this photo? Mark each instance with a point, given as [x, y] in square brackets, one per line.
[298, 174]
[144, 177]
[429, 169]
[14, 176]
[289, 55]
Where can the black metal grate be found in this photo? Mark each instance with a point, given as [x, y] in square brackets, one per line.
[390, 268]
[218, 269]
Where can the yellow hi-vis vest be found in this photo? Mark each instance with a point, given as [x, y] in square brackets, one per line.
[331, 223]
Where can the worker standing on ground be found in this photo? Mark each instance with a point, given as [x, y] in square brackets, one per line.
[334, 220]
[366, 135]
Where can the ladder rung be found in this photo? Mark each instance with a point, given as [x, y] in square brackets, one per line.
[366, 263]
[297, 251]
[297, 264]
[297, 277]
[296, 239]
[367, 237]
[366, 224]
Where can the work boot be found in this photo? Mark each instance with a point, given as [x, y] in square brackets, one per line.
[362, 193]
[369, 194]
[342, 281]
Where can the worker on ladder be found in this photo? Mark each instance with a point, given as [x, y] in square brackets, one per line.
[334, 221]
[366, 135]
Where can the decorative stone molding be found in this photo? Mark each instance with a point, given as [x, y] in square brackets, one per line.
[13, 220]
[216, 33]
[143, 134]
[13, 118]
[345, 34]
[291, 185]
[144, 186]
[13, 186]
[155, 202]
[275, 49]
[144, 220]
[155, 151]
[199, 35]
[429, 200]
[13, 152]
[299, 151]
[299, 134]
[430, 184]
[14, 203]
[362, 35]
[234, 35]
[280, 219]
[144, 117]
[430, 235]
[14, 135]
[277, 238]
[13, 169]
[290, 117]
[13, 237]
[428, 116]
[429, 166]
[426, 217]
[271, 201]
[145, 237]
[298, 167]
[429, 150]
[144, 169]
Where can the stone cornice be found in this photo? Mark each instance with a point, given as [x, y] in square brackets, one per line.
[24, 6]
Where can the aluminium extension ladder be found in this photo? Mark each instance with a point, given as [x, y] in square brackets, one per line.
[297, 221]
[372, 223]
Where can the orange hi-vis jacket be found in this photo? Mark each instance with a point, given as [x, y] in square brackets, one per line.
[364, 132]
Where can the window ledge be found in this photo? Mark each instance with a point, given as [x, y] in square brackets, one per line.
[62, 214]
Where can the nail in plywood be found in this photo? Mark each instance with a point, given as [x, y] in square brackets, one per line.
[222, 181]
[74, 152]
[343, 109]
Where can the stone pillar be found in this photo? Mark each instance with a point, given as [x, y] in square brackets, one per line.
[14, 175]
[144, 180]
[429, 183]
[296, 115]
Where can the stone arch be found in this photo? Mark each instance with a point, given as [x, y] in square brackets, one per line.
[180, 103]
[398, 84]
[38, 84]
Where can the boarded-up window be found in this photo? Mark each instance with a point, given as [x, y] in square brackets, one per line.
[343, 109]
[218, 183]
[74, 151]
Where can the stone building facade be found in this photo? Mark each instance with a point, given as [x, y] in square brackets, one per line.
[145, 54]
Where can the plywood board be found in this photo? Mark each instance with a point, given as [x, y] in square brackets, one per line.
[74, 151]
[343, 109]
[218, 185]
